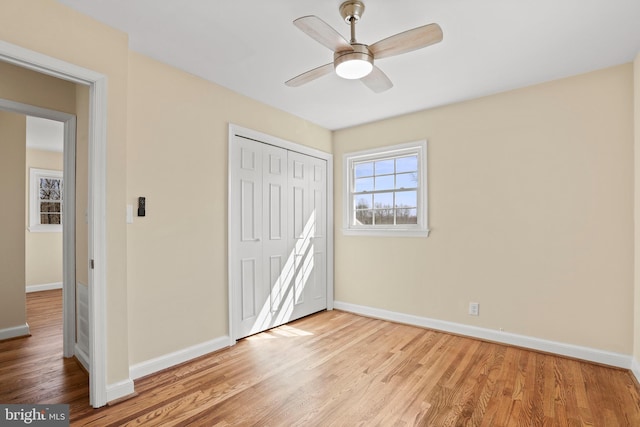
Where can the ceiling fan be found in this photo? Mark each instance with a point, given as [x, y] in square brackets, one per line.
[353, 60]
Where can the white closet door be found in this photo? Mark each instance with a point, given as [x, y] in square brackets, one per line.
[307, 231]
[278, 242]
[247, 230]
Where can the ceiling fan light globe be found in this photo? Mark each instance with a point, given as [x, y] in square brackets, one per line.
[353, 64]
[354, 69]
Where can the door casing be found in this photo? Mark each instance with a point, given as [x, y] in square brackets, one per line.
[97, 83]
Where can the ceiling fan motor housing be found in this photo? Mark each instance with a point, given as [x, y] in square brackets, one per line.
[358, 55]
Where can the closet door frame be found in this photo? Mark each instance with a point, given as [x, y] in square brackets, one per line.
[234, 131]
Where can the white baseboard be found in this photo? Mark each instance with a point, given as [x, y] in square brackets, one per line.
[82, 357]
[635, 368]
[119, 390]
[151, 366]
[44, 287]
[14, 332]
[563, 349]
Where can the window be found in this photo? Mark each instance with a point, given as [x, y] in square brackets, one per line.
[386, 191]
[45, 200]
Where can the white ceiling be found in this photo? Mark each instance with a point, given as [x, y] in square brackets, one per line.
[45, 134]
[252, 47]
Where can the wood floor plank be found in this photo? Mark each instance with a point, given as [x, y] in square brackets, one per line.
[332, 368]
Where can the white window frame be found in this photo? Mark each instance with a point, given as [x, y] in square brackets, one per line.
[35, 175]
[421, 229]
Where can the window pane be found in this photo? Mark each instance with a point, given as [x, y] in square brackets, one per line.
[364, 217]
[364, 184]
[383, 216]
[384, 182]
[49, 218]
[364, 201]
[406, 216]
[407, 164]
[406, 199]
[364, 169]
[384, 200]
[50, 189]
[50, 207]
[407, 180]
[384, 167]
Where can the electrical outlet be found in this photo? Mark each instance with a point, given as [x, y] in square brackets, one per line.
[474, 309]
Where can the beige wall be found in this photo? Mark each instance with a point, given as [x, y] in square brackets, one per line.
[177, 159]
[29, 87]
[47, 27]
[531, 211]
[636, 115]
[43, 251]
[12, 160]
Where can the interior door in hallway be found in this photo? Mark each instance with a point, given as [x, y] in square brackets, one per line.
[279, 249]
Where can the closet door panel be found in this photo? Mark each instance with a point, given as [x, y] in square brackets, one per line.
[246, 269]
[274, 246]
[307, 184]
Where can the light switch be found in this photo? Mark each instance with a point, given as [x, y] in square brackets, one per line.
[129, 214]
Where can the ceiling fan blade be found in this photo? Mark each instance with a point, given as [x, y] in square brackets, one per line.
[310, 75]
[322, 32]
[377, 80]
[407, 41]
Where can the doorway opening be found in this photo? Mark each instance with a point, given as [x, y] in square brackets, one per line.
[96, 212]
[68, 206]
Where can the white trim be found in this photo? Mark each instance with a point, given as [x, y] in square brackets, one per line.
[555, 347]
[235, 130]
[44, 64]
[416, 230]
[69, 237]
[120, 389]
[14, 332]
[97, 213]
[279, 142]
[635, 368]
[34, 200]
[97, 197]
[157, 364]
[82, 357]
[330, 231]
[385, 232]
[43, 287]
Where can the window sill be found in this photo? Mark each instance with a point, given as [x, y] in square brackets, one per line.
[385, 232]
[45, 229]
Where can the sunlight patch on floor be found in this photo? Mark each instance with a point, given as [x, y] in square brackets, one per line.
[284, 331]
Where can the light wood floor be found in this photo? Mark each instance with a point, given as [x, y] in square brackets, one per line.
[333, 368]
[32, 369]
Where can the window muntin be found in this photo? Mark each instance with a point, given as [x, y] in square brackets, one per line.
[386, 191]
[46, 194]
